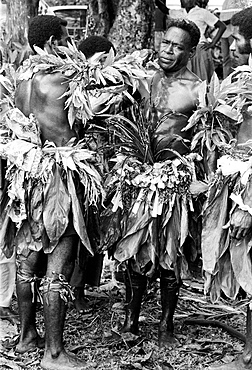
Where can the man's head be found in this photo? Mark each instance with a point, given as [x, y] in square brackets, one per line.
[95, 44]
[242, 31]
[202, 3]
[178, 44]
[46, 31]
[188, 4]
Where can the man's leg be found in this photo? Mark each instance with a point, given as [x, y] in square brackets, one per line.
[78, 282]
[55, 289]
[27, 301]
[169, 287]
[135, 288]
[7, 286]
[245, 360]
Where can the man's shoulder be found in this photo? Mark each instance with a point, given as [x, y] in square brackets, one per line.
[190, 76]
[42, 79]
[47, 77]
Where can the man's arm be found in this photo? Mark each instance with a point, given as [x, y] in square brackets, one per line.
[161, 6]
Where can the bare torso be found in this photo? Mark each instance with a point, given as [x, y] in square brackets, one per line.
[41, 96]
[178, 96]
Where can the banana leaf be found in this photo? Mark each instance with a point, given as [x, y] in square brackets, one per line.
[170, 239]
[241, 262]
[147, 255]
[135, 234]
[214, 237]
[228, 283]
[56, 208]
[78, 219]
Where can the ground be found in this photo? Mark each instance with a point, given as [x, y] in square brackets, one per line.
[96, 339]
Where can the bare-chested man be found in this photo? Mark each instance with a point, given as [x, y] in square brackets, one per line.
[150, 239]
[40, 96]
[174, 90]
[55, 178]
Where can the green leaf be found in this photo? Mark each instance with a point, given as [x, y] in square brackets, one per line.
[56, 207]
[110, 58]
[196, 138]
[214, 89]
[202, 94]
[130, 243]
[227, 111]
[78, 219]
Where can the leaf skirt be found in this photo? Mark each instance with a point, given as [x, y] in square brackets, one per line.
[148, 218]
[47, 187]
[226, 261]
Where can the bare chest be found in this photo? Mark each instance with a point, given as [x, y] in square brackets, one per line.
[177, 96]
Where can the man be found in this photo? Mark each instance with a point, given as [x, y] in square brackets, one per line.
[202, 63]
[144, 234]
[230, 61]
[227, 260]
[51, 249]
[55, 180]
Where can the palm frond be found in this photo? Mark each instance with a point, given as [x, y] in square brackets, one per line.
[133, 135]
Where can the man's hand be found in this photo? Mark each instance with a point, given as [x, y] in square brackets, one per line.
[240, 223]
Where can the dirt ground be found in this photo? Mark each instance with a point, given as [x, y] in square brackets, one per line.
[96, 339]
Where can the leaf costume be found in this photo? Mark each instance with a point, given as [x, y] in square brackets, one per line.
[227, 261]
[49, 185]
[149, 217]
[156, 203]
[43, 186]
[153, 199]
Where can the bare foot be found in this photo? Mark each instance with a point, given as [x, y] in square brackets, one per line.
[65, 361]
[167, 339]
[129, 327]
[6, 313]
[82, 305]
[239, 364]
[30, 345]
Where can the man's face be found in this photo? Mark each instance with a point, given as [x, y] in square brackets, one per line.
[240, 45]
[175, 50]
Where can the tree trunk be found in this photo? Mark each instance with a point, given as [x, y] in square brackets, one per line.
[128, 24]
[17, 20]
[102, 16]
[18, 14]
[133, 26]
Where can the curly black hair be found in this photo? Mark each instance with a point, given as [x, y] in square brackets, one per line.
[243, 19]
[42, 27]
[95, 44]
[187, 26]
